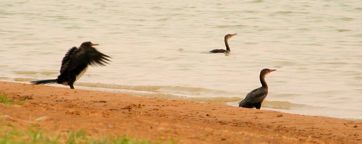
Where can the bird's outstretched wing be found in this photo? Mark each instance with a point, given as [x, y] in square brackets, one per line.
[97, 58]
[67, 58]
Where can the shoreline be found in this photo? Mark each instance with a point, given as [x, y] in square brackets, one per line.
[273, 105]
[276, 105]
[154, 118]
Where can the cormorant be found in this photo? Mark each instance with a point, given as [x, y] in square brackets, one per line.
[256, 97]
[226, 38]
[75, 63]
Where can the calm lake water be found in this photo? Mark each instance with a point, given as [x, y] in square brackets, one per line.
[160, 47]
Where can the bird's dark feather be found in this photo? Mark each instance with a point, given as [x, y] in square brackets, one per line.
[97, 58]
[218, 51]
[67, 58]
[254, 97]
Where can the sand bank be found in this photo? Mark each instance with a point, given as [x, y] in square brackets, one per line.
[59, 110]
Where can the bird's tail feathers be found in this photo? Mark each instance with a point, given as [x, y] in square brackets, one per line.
[44, 81]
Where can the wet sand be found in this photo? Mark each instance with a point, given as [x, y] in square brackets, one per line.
[58, 110]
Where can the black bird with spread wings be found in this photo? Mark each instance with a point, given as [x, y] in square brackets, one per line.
[256, 97]
[75, 63]
[227, 51]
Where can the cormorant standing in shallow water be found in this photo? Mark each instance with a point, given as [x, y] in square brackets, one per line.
[226, 38]
[256, 97]
[75, 63]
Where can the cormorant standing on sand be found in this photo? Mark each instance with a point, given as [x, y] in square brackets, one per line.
[75, 63]
[256, 97]
[226, 38]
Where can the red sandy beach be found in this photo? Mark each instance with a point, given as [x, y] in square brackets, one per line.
[59, 110]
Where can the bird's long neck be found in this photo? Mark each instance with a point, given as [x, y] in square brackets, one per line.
[226, 44]
[262, 81]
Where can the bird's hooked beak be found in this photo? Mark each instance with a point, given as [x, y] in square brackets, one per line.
[94, 44]
[234, 34]
[269, 71]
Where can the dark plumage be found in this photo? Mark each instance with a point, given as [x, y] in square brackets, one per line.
[226, 38]
[255, 98]
[75, 63]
